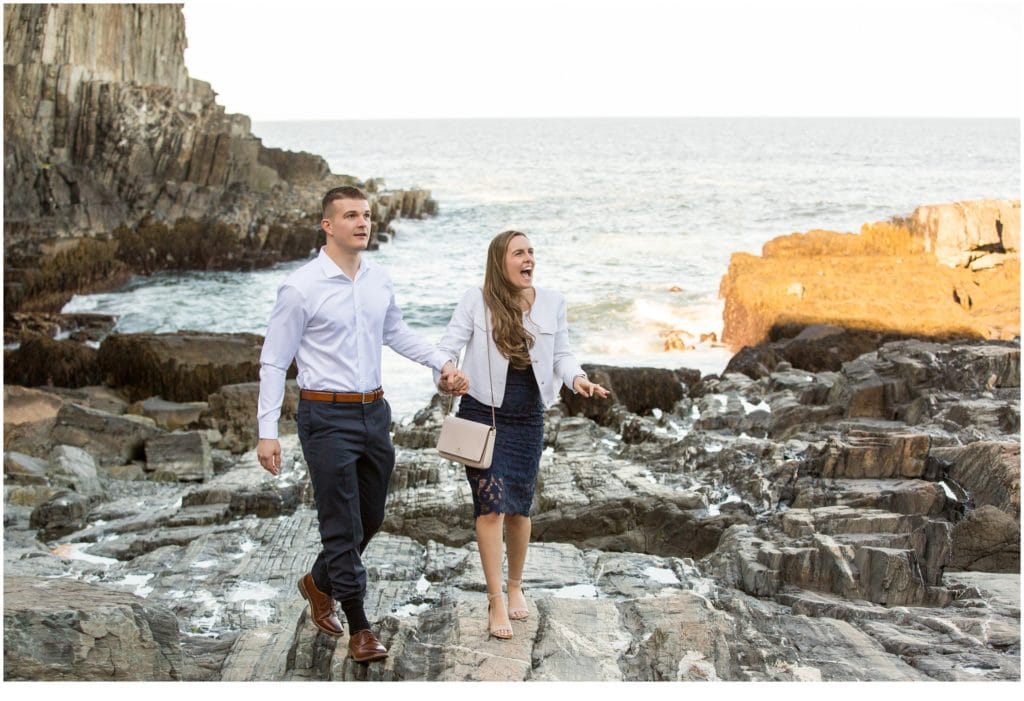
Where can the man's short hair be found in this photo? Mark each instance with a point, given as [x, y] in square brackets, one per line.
[345, 192]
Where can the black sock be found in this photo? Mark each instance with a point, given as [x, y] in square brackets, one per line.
[353, 609]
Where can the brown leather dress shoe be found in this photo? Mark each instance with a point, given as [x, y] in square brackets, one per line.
[321, 607]
[363, 646]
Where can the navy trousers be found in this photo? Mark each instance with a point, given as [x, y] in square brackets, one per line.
[350, 457]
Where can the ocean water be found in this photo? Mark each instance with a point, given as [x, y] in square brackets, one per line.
[634, 220]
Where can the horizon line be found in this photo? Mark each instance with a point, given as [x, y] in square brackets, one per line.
[611, 117]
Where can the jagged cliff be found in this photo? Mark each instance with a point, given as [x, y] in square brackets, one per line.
[104, 129]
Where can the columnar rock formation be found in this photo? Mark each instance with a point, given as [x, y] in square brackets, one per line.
[948, 271]
[104, 131]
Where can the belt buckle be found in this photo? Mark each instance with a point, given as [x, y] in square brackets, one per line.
[368, 397]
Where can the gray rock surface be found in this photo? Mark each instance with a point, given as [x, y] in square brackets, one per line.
[669, 546]
[182, 456]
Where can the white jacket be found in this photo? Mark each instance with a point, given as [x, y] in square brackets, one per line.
[553, 362]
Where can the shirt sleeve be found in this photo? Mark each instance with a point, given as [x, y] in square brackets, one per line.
[284, 333]
[406, 342]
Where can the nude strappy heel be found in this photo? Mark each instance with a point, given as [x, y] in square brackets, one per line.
[517, 614]
[500, 631]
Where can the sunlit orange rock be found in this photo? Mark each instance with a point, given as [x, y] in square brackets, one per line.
[887, 278]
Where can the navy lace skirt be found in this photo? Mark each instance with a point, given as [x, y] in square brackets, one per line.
[508, 486]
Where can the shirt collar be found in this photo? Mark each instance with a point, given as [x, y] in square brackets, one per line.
[331, 269]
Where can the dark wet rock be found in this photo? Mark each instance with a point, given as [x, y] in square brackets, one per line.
[41, 360]
[63, 513]
[639, 390]
[181, 367]
[754, 361]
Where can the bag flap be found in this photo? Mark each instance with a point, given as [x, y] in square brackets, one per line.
[463, 437]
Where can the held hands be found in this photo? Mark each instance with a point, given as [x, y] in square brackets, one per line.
[587, 388]
[268, 450]
[453, 381]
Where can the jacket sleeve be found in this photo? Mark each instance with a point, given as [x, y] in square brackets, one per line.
[460, 328]
[566, 367]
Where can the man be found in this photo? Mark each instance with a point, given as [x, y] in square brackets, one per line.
[333, 316]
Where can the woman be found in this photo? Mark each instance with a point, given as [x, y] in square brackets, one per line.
[518, 368]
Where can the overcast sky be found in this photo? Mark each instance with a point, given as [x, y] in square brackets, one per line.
[275, 60]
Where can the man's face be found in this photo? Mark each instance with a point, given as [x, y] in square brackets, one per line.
[347, 225]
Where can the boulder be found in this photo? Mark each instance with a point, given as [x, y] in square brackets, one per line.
[63, 630]
[232, 411]
[111, 440]
[99, 397]
[639, 390]
[987, 540]
[960, 232]
[184, 457]
[29, 418]
[40, 360]
[61, 514]
[74, 468]
[24, 469]
[170, 416]
[181, 367]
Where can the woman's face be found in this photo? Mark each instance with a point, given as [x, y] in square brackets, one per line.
[519, 263]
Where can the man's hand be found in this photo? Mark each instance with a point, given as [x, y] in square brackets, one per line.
[587, 388]
[268, 450]
[453, 381]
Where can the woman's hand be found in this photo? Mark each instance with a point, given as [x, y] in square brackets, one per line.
[583, 386]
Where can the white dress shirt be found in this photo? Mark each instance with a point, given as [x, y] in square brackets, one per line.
[553, 362]
[335, 328]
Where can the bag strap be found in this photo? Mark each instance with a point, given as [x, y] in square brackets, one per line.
[490, 380]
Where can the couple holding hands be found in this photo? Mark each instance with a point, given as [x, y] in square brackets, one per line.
[333, 316]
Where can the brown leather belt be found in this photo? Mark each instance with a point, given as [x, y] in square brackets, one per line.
[342, 397]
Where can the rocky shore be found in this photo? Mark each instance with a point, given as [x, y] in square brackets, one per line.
[782, 521]
[117, 162]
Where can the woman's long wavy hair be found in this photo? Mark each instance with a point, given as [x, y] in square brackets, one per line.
[512, 339]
